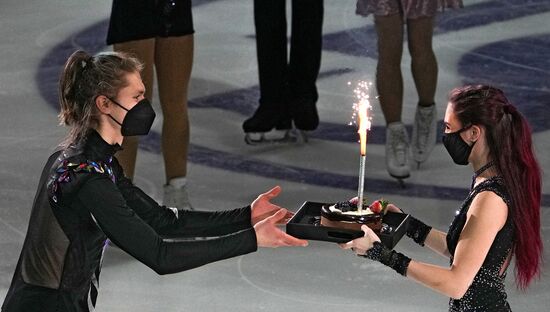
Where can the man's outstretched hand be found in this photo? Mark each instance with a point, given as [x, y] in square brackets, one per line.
[263, 208]
[269, 235]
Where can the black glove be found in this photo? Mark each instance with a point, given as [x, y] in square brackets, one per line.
[395, 260]
[418, 230]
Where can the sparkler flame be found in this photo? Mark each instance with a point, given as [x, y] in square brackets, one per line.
[362, 108]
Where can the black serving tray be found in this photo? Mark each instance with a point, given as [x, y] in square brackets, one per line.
[305, 224]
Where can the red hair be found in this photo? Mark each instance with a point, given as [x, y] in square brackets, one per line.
[509, 139]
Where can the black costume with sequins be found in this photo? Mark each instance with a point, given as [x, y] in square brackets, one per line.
[83, 198]
[486, 293]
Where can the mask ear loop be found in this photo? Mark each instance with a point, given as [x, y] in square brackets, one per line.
[113, 118]
[124, 108]
[464, 128]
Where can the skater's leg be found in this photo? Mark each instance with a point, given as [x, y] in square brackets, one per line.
[305, 61]
[389, 83]
[271, 46]
[144, 50]
[423, 62]
[424, 70]
[174, 61]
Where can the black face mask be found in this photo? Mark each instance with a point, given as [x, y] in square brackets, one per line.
[457, 148]
[138, 120]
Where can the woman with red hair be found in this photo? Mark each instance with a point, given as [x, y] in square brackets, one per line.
[499, 219]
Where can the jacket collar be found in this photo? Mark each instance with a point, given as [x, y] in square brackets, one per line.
[96, 148]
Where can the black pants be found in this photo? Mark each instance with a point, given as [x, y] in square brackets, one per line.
[283, 80]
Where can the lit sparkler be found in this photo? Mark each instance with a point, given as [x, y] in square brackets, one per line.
[361, 108]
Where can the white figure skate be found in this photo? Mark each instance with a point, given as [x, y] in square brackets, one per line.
[424, 133]
[397, 151]
[177, 197]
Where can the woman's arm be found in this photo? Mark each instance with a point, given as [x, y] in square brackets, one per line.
[121, 224]
[437, 241]
[486, 216]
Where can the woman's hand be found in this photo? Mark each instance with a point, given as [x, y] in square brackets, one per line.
[389, 207]
[269, 235]
[393, 208]
[263, 208]
[362, 244]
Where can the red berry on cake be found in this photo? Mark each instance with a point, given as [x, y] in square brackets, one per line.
[379, 206]
[376, 207]
[347, 215]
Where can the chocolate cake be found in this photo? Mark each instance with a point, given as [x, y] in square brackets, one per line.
[346, 215]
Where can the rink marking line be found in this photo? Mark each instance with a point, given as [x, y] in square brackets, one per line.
[14, 229]
[487, 57]
[293, 298]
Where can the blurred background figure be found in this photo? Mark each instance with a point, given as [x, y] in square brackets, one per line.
[390, 17]
[160, 34]
[287, 85]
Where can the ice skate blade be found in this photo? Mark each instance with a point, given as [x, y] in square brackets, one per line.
[401, 183]
[419, 160]
[303, 136]
[401, 180]
[260, 138]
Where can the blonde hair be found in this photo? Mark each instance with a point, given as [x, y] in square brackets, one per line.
[83, 79]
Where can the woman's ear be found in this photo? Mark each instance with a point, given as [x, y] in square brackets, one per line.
[474, 133]
[102, 104]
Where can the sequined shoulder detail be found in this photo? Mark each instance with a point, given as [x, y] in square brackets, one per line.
[495, 185]
[68, 168]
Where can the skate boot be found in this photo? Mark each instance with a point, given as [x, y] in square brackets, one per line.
[258, 128]
[397, 151]
[175, 196]
[424, 133]
[305, 116]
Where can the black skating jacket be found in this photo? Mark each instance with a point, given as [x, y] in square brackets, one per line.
[82, 200]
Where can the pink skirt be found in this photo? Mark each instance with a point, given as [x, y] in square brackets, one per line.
[410, 9]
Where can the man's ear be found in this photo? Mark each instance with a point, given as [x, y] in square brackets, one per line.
[102, 104]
